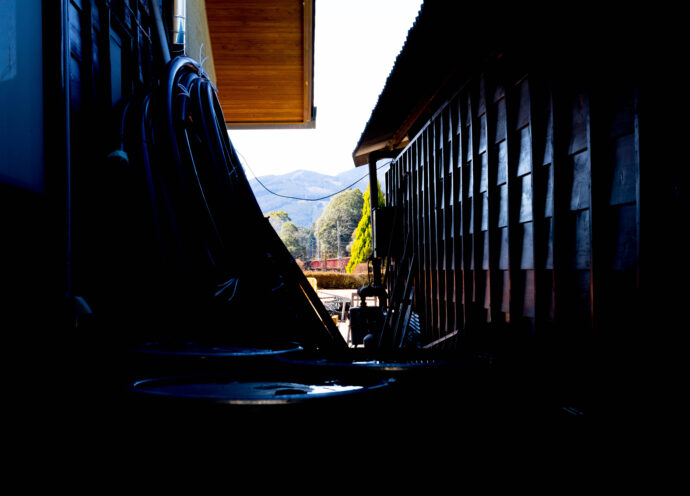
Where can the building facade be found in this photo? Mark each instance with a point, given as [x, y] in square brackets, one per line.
[532, 187]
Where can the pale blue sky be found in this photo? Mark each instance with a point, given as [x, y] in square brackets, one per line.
[356, 43]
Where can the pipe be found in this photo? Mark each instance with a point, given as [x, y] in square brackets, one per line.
[373, 199]
[177, 33]
[160, 31]
[66, 102]
[374, 157]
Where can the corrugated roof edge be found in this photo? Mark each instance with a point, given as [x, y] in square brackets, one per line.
[382, 142]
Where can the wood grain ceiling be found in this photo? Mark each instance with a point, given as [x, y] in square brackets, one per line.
[263, 57]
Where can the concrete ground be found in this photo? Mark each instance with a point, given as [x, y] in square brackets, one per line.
[346, 294]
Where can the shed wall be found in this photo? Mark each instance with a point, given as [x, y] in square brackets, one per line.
[520, 199]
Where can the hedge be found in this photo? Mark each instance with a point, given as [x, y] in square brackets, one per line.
[337, 280]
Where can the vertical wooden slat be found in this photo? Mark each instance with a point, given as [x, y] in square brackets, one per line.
[594, 205]
[440, 212]
[571, 210]
[615, 203]
[413, 169]
[526, 167]
[467, 207]
[506, 152]
[432, 210]
[490, 191]
[448, 220]
[541, 122]
[559, 201]
[458, 248]
[419, 228]
[432, 137]
[636, 133]
[483, 271]
[430, 232]
[580, 209]
[476, 205]
[549, 279]
[423, 229]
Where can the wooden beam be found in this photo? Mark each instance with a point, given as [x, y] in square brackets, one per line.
[263, 59]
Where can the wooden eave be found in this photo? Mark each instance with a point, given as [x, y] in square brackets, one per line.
[263, 52]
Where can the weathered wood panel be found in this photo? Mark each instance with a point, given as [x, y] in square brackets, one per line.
[523, 201]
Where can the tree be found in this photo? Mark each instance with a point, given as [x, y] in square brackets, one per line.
[361, 248]
[337, 222]
[296, 239]
[277, 219]
[289, 234]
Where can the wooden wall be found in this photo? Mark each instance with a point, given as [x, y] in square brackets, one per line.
[520, 197]
[112, 57]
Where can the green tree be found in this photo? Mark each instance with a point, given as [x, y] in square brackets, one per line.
[277, 219]
[337, 222]
[361, 247]
[295, 240]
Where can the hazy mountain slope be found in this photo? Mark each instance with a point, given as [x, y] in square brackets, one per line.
[306, 184]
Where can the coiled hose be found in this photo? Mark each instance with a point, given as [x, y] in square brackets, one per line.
[208, 265]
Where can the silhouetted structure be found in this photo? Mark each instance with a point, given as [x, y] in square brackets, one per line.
[533, 236]
[532, 203]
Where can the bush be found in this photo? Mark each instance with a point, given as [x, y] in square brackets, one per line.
[337, 280]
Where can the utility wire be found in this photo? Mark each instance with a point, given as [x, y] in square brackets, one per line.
[305, 199]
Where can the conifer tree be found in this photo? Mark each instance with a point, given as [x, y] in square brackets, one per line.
[361, 248]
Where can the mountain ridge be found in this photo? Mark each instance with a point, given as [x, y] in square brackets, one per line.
[309, 191]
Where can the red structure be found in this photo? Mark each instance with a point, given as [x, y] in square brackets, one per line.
[328, 264]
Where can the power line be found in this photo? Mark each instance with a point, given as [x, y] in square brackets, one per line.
[304, 199]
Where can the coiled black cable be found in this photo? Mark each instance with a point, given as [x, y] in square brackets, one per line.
[215, 268]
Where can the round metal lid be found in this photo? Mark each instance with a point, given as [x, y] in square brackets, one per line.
[195, 350]
[230, 391]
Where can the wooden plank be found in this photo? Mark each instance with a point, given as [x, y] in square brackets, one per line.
[420, 285]
[458, 249]
[572, 219]
[450, 240]
[467, 209]
[539, 308]
[500, 282]
[437, 161]
[623, 187]
[426, 218]
[514, 114]
[636, 127]
[433, 227]
[263, 54]
[308, 62]
[449, 297]
[478, 204]
[559, 231]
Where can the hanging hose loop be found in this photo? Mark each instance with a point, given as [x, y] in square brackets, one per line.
[201, 204]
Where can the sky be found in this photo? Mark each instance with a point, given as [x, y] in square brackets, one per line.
[356, 43]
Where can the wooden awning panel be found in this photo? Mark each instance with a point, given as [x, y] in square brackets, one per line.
[263, 57]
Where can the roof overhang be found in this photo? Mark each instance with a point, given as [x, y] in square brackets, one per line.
[449, 44]
[378, 147]
[413, 84]
[263, 55]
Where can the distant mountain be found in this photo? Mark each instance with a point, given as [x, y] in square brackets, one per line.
[308, 185]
